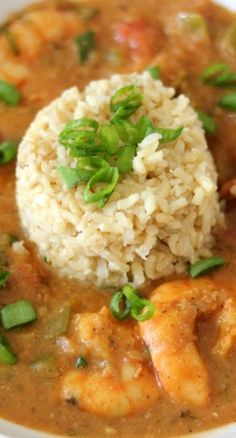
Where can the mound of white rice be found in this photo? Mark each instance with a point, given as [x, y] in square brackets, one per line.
[159, 217]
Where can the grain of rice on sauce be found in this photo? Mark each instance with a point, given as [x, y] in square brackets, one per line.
[160, 216]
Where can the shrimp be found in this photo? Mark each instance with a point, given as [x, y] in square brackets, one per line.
[29, 34]
[171, 340]
[227, 324]
[119, 379]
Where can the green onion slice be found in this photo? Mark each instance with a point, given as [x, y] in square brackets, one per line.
[81, 362]
[3, 277]
[228, 102]
[6, 355]
[124, 158]
[109, 177]
[219, 75]
[127, 131]
[120, 306]
[141, 309]
[109, 138]
[86, 44]
[125, 101]
[9, 94]
[17, 314]
[73, 177]
[208, 123]
[8, 151]
[205, 266]
[154, 71]
[144, 127]
[168, 135]
[79, 133]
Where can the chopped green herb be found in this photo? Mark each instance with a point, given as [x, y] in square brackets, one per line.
[109, 138]
[120, 306]
[9, 94]
[126, 130]
[154, 71]
[144, 127]
[125, 101]
[105, 151]
[169, 135]
[73, 177]
[86, 44]
[8, 151]
[81, 362]
[141, 309]
[108, 176]
[125, 156]
[219, 75]
[208, 123]
[6, 355]
[133, 305]
[17, 314]
[3, 277]
[203, 267]
[228, 102]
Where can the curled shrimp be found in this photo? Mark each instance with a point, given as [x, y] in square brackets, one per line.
[29, 34]
[171, 339]
[119, 379]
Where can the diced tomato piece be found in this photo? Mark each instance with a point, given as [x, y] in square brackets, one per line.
[139, 37]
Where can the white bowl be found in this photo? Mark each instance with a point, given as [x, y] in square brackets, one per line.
[11, 430]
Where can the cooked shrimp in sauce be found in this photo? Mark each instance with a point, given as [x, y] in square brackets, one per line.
[118, 378]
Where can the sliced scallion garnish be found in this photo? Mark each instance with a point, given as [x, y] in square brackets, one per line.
[86, 44]
[126, 130]
[208, 123]
[3, 277]
[105, 176]
[203, 267]
[81, 362]
[125, 101]
[17, 314]
[109, 138]
[154, 72]
[120, 306]
[6, 355]
[8, 151]
[219, 75]
[168, 135]
[104, 151]
[9, 94]
[141, 309]
[125, 156]
[133, 305]
[73, 177]
[228, 102]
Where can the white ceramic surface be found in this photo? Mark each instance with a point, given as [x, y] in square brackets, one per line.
[10, 430]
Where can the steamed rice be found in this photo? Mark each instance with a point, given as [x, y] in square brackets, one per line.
[160, 216]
